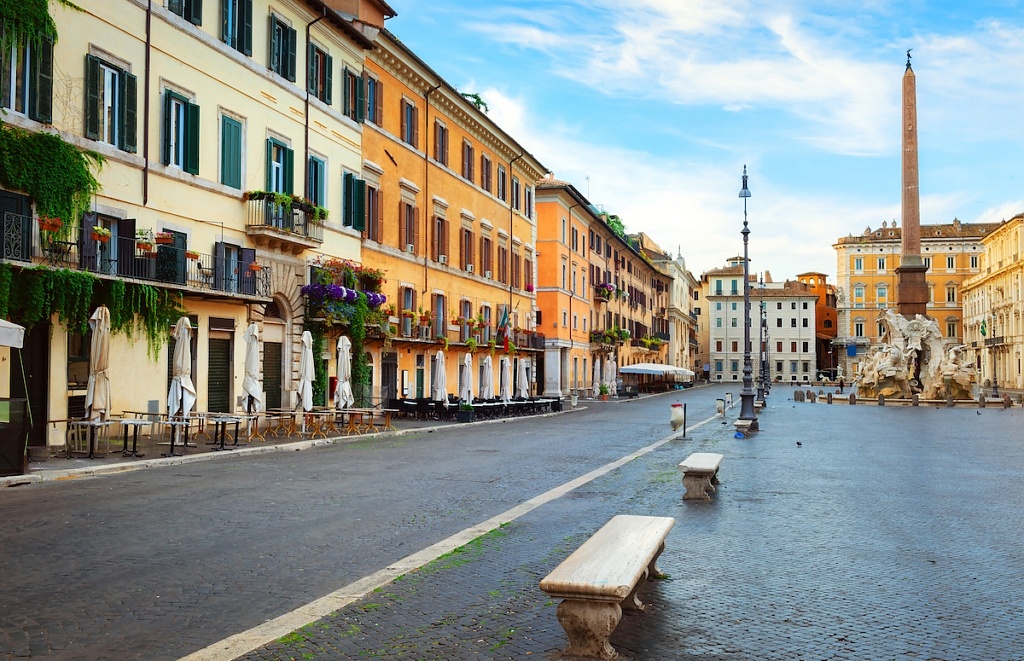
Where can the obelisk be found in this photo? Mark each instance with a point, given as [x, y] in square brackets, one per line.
[911, 287]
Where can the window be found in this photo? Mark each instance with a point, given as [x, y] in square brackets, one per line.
[279, 166]
[502, 264]
[410, 123]
[486, 258]
[236, 24]
[805, 305]
[735, 345]
[408, 227]
[718, 345]
[735, 367]
[374, 100]
[927, 262]
[353, 201]
[951, 263]
[517, 271]
[190, 10]
[734, 306]
[467, 160]
[805, 346]
[778, 348]
[282, 48]
[858, 263]
[354, 101]
[858, 293]
[951, 293]
[778, 366]
[110, 108]
[952, 327]
[27, 75]
[575, 239]
[374, 220]
[792, 323]
[827, 323]
[528, 279]
[792, 305]
[515, 193]
[718, 322]
[778, 322]
[734, 286]
[803, 322]
[881, 264]
[230, 152]
[528, 210]
[792, 347]
[858, 329]
[806, 366]
[181, 133]
[718, 366]
[733, 322]
[502, 184]
[440, 143]
[974, 261]
[485, 173]
[881, 293]
[466, 248]
[320, 74]
[439, 244]
[792, 366]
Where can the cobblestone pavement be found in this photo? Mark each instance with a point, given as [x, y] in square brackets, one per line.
[155, 564]
[887, 533]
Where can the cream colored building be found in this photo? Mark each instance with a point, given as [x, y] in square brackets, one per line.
[192, 105]
[993, 297]
[866, 281]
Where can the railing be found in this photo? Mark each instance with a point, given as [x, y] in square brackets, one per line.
[293, 219]
[125, 257]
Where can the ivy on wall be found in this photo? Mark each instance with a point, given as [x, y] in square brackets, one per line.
[29, 296]
[319, 368]
[55, 174]
[27, 21]
[357, 333]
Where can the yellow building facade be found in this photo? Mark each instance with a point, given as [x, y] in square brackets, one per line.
[993, 304]
[866, 281]
[224, 138]
[450, 219]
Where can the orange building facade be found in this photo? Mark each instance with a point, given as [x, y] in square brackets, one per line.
[825, 316]
[449, 219]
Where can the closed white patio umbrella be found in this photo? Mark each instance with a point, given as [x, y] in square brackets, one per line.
[97, 397]
[522, 382]
[487, 378]
[609, 374]
[182, 395]
[440, 378]
[596, 385]
[466, 394]
[252, 384]
[343, 397]
[307, 372]
[506, 380]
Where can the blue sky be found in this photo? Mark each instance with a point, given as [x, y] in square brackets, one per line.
[651, 108]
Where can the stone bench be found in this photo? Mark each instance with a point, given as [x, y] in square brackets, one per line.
[602, 577]
[700, 474]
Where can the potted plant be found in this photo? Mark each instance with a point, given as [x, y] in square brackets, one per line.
[48, 224]
[471, 344]
[529, 286]
[255, 267]
[191, 254]
[100, 233]
[603, 392]
[465, 413]
[164, 238]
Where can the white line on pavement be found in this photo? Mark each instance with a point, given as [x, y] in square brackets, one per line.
[246, 641]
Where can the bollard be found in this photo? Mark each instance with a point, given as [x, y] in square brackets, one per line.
[676, 418]
[720, 406]
[949, 401]
[853, 398]
[881, 400]
[1006, 402]
[830, 398]
[914, 399]
[981, 401]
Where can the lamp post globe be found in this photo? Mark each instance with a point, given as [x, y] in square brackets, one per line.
[747, 420]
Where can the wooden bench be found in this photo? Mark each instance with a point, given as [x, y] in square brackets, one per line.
[602, 577]
[700, 474]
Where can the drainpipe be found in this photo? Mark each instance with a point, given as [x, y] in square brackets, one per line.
[568, 284]
[426, 190]
[508, 264]
[305, 162]
[145, 109]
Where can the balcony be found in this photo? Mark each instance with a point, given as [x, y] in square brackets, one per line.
[130, 259]
[288, 228]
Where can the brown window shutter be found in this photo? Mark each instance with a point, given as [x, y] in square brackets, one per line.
[435, 237]
[416, 229]
[402, 238]
[380, 103]
[469, 247]
[444, 244]
[404, 113]
[415, 127]
[380, 217]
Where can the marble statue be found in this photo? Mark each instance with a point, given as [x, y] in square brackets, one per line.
[913, 358]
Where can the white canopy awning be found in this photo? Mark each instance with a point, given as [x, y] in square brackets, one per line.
[656, 369]
[11, 335]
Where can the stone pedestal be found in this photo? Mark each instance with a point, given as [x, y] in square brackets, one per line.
[912, 288]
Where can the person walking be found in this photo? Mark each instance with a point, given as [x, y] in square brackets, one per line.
[841, 384]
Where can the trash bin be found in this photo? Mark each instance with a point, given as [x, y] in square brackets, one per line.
[556, 406]
[575, 398]
[720, 406]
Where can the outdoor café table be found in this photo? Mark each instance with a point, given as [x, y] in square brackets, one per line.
[355, 418]
[175, 424]
[283, 419]
[388, 413]
[92, 426]
[252, 421]
[134, 423]
[319, 419]
[220, 425]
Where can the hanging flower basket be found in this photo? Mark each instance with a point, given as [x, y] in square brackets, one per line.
[101, 234]
[48, 224]
[191, 254]
[255, 268]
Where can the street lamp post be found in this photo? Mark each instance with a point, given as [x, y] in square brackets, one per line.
[992, 350]
[760, 349]
[747, 419]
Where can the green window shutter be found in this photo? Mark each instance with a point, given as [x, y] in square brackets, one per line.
[41, 100]
[289, 169]
[92, 98]
[346, 199]
[346, 90]
[270, 161]
[176, 6]
[245, 8]
[195, 13]
[192, 139]
[231, 152]
[359, 217]
[310, 70]
[226, 33]
[330, 79]
[129, 97]
[360, 87]
[165, 153]
[276, 48]
[292, 40]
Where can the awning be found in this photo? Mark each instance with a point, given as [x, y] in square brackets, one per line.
[656, 369]
[11, 335]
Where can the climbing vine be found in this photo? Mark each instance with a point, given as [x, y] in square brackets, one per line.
[5, 289]
[55, 174]
[28, 21]
[319, 369]
[357, 333]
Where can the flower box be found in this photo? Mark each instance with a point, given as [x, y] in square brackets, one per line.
[144, 246]
[165, 239]
[191, 254]
[48, 224]
[102, 238]
[255, 268]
